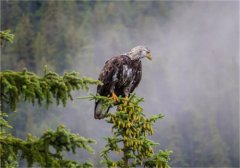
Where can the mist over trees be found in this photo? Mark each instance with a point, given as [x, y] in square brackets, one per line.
[192, 80]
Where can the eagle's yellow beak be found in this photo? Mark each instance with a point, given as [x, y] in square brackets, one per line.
[149, 56]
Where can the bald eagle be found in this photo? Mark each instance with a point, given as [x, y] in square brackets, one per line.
[120, 76]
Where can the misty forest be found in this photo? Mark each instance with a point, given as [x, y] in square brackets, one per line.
[184, 112]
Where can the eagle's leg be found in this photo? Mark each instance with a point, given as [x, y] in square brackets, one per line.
[125, 100]
[114, 97]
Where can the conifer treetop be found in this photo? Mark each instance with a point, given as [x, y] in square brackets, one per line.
[131, 128]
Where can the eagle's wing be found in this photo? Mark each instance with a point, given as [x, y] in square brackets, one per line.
[109, 75]
[137, 77]
[118, 76]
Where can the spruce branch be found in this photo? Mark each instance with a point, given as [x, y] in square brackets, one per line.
[37, 150]
[31, 87]
[7, 36]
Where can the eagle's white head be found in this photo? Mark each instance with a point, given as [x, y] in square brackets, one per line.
[139, 52]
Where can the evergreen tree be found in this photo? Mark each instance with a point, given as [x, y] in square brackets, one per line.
[11, 12]
[23, 44]
[41, 52]
[218, 155]
[130, 129]
[175, 143]
[53, 28]
[30, 87]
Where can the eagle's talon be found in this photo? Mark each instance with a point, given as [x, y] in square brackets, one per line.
[114, 97]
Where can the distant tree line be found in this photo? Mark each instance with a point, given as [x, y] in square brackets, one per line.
[64, 35]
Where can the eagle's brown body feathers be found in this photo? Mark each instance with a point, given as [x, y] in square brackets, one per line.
[120, 75]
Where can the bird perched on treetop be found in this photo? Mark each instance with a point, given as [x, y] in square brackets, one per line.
[120, 76]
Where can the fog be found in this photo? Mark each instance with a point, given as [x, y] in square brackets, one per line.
[193, 79]
[194, 73]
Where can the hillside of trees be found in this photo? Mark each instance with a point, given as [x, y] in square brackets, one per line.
[192, 80]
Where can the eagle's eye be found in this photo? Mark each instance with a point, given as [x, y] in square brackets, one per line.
[148, 52]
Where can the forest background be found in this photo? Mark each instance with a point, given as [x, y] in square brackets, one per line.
[192, 80]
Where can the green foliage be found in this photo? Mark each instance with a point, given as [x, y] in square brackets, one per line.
[31, 87]
[130, 129]
[159, 159]
[3, 123]
[6, 35]
[46, 151]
